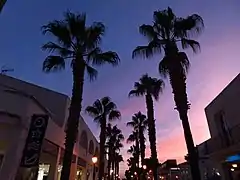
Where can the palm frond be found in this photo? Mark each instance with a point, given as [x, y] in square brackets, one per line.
[110, 106]
[131, 124]
[97, 57]
[94, 34]
[92, 111]
[163, 67]
[92, 73]
[60, 31]
[77, 25]
[98, 104]
[136, 93]
[186, 43]
[148, 31]
[52, 47]
[53, 63]
[114, 114]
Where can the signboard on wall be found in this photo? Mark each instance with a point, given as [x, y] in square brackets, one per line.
[36, 133]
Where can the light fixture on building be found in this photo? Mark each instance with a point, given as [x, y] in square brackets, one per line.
[111, 171]
[144, 167]
[116, 175]
[94, 159]
[235, 165]
[176, 177]
[150, 170]
[232, 169]
[135, 173]
[218, 173]
[131, 176]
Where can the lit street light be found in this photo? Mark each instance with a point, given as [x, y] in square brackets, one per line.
[94, 160]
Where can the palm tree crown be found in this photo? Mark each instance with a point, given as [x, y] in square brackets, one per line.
[165, 34]
[78, 43]
[102, 108]
[147, 85]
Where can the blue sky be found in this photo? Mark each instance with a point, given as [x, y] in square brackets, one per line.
[211, 71]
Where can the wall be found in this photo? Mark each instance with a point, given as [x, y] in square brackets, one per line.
[229, 101]
[54, 101]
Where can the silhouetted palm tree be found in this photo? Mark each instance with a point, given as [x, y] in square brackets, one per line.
[139, 122]
[134, 137]
[103, 110]
[150, 88]
[166, 33]
[113, 144]
[118, 160]
[79, 46]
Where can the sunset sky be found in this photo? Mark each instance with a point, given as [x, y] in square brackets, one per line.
[211, 70]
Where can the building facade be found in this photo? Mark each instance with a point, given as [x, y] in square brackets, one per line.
[19, 100]
[221, 153]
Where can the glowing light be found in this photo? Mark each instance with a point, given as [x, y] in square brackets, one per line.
[218, 173]
[235, 165]
[150, 170]
[232, 169]
[176, 177]
[111, 171]
[94, 159]
[131, 176]
[135, 173]
[144, 167]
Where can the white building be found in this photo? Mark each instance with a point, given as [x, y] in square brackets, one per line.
[19, 100]
[221, 153]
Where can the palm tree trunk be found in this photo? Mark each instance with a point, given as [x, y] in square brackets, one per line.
[178, 82]
[116, 173]
[109, 162]
[102, 149]
[152, 133]
[142, 146]
[73, 118]
[137, 152]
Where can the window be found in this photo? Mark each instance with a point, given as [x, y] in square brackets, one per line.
[222, 126]
[91, 147]
[84, 140]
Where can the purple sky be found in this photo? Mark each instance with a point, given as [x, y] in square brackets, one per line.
[212, 69]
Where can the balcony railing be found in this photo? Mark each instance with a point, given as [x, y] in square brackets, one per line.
[222, 141]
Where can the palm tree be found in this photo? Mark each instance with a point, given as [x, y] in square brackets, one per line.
[150, 88]
[134, 137]
[114, 139]
[78, 45]
[102, 110]
[139, 122]
[166, 33]
[118, 159]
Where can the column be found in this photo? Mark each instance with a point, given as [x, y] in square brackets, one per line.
[73, 172]
[53, 172]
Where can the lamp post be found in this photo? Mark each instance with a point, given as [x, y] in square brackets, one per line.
[94, 160]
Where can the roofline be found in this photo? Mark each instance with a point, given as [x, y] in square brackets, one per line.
[224, 89]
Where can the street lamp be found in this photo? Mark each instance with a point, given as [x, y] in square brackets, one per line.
[94, 160]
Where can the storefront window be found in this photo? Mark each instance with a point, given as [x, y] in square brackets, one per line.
[43, 171]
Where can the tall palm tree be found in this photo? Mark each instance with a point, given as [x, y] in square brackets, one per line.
[150, 88]
[103, 110]
[166, 33]
[78, 45]
[139, 122]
